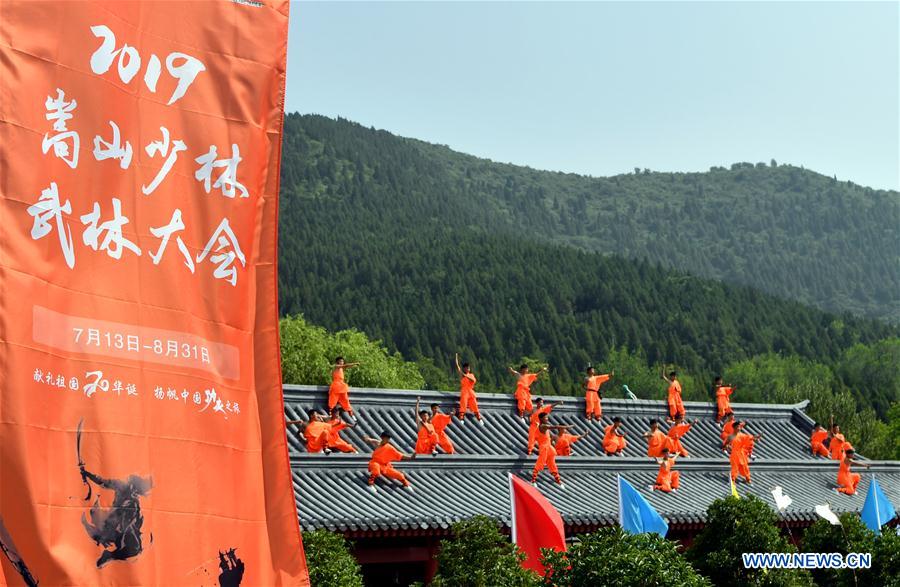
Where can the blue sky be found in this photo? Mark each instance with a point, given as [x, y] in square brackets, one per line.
[601, 88]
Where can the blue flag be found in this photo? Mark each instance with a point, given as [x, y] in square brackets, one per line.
[878, 509]
[636, 515]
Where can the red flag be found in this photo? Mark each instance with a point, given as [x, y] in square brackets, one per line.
[535, 523]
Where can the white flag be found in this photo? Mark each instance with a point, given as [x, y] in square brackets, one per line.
[782, 501]
[825, 512]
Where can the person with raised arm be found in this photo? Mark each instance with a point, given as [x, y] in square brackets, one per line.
[382, 462]
[666, 479]
[723, 398]
[741, 447]
[837, 443]
[847, 481]
[546, 452]
[676, 433]
[540, 408]
[676, 405]
[592, 400]
[524, 381]
[440, 421]
[467, 399]
[727, 431]
[426, 440]
[656, 440]
[339, 391]
[564, 442]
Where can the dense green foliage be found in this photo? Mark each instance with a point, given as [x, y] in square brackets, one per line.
[478, 555]
[854, 537]
[779, 228]
[735, 526]
[374, 237]
[329, 560]
[613, 557]
[308, 353]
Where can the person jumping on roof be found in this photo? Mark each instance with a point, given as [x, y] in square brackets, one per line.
[656, 440]
[614, 438]
[546, 452]
[440, 421]
[426, 441]
[666, 479]
[723, 401]
[540, 408]
[675, 434]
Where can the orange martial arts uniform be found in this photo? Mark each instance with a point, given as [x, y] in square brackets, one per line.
[612, 442]
[676, 406]
[837, 446]
[667, 479]
[675, 434]
[316, 435]
[427, 440]
[592, 396]
[564, 444]
[723, 403]
[339, 391]
[533, 425]
[380, 464]
[467, 395]
[334, 436]
[846, 480]
[741, 447]
[817, 443]
[727, 430]
[440, 422]
[546, 457]
[656, 443]
[523, 392]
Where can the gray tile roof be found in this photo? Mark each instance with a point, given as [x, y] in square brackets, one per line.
[331, 490]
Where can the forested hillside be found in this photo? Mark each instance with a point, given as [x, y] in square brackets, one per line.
[373, 241]
[778, 228]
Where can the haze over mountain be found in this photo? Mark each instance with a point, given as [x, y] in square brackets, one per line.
[436, 251]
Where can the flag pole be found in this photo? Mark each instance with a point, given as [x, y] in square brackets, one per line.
[512, 510]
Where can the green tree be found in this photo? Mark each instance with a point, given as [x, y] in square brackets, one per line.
[329, 560]
[613, 557]
[733, 527]
[855, 537]
[308, 352]
[886, 559]
[478, 555]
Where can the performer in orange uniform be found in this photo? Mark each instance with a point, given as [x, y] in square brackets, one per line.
[467, 399]
[676, 432]
[614, 438]
[523, 388]
[666, 479]
[817, 441]
[676, 406]
[727, 431]
[540, 408]
[564, 442]
[837, 443]
[339, 391]
[546, 452]
[426, 441]
[741, 447]
[315, 432]
[656, 440]
[440, 421]
[847, 481]
[334, 436]
[381, 463]
[593, 409]
[723, 401]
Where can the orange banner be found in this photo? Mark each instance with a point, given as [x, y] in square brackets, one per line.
[142, 435]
